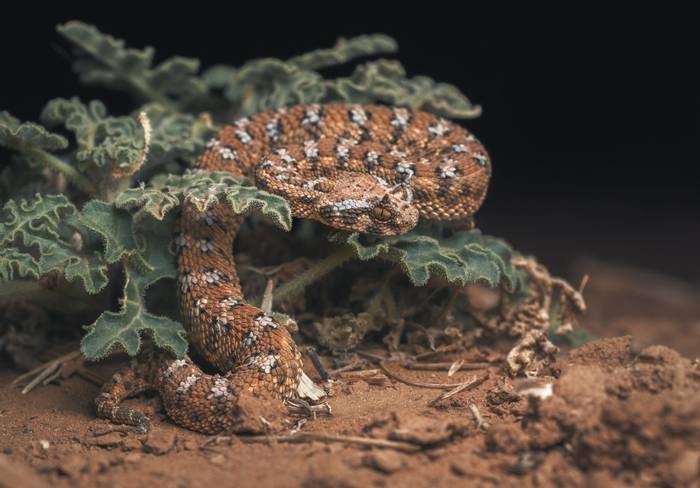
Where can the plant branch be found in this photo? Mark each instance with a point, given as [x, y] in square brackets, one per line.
[57, 164]
[317, 271]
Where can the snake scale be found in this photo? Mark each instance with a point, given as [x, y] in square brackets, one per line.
[367, 168]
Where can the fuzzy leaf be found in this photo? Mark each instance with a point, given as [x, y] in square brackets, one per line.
[385, 81]
[16, 135]
[17, 264]
[44, 227]
[113, 65]
[112, 225]
[204, 190]
[101, 140]
[465, 258]
[346, 50]
[123, 329]
[267, 84]
[149, 262]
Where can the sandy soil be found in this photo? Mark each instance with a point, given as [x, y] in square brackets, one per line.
[618, 411]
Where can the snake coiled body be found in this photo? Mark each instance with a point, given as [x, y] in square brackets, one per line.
[365, 168]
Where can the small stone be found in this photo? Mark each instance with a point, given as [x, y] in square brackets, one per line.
[359, 387]
[131, 444]
[190, 445]
[218, 459]
[72, 465]
[108, 440]
[133, 457]
[384, 461]
[160, 442]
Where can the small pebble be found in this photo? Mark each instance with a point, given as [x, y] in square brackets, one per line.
[385, 461]
[107, 440]
[160, 442]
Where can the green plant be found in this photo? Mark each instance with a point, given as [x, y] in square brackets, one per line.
[96, 199]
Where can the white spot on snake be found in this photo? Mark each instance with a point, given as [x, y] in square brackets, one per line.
[404, 170]
[177, 364]
[187, 383]
[397, 153]
[249, 338]
[185, 282]
[342, 152]
[265, 364]
[208, 217]
[200, 305]
[312, 184]
[400, 119]
[310, 149]
[229, 302]
[447, 172]
[180, 241]
[344, 205]
[266, 321]
[372, 158]
[285, 156]
[220, 323]
[439, 129]
[459, 148]
[312, 116]
[481, 159]
[205, 245]
[358, 115]
[273, 131]
[220, 389]
[212, 276]
[243, 136]
[213, 142]
[242, 122]
[227, 153]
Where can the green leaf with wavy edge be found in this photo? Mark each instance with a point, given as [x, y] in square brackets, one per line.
[109, 63]
[148, 262]
[45, 227]
[113, 226]
[345, 50]
[204, 190]
[467, 257]
[268, 84]
[101, 140]
[123, 329]
[17, 135]
[385, 81]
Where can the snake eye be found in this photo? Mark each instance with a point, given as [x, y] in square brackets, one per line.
[381, 214]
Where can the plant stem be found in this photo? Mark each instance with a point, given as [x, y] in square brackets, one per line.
[57, 164]
[317, 271]
[19, 288]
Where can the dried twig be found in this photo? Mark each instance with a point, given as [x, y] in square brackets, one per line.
[467, 385]
[316, 361]
[445, 366]
[317, 437]
[420, 384]
[480, 422]
[455, 346]
[50, 370]
[357, 364]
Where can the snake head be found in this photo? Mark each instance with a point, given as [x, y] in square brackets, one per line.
[364, 203]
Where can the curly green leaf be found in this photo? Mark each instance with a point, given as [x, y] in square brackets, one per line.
[468, 257]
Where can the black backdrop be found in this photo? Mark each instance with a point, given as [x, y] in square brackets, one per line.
[592, 120]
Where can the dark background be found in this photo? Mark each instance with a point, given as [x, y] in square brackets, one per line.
[592, 119]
